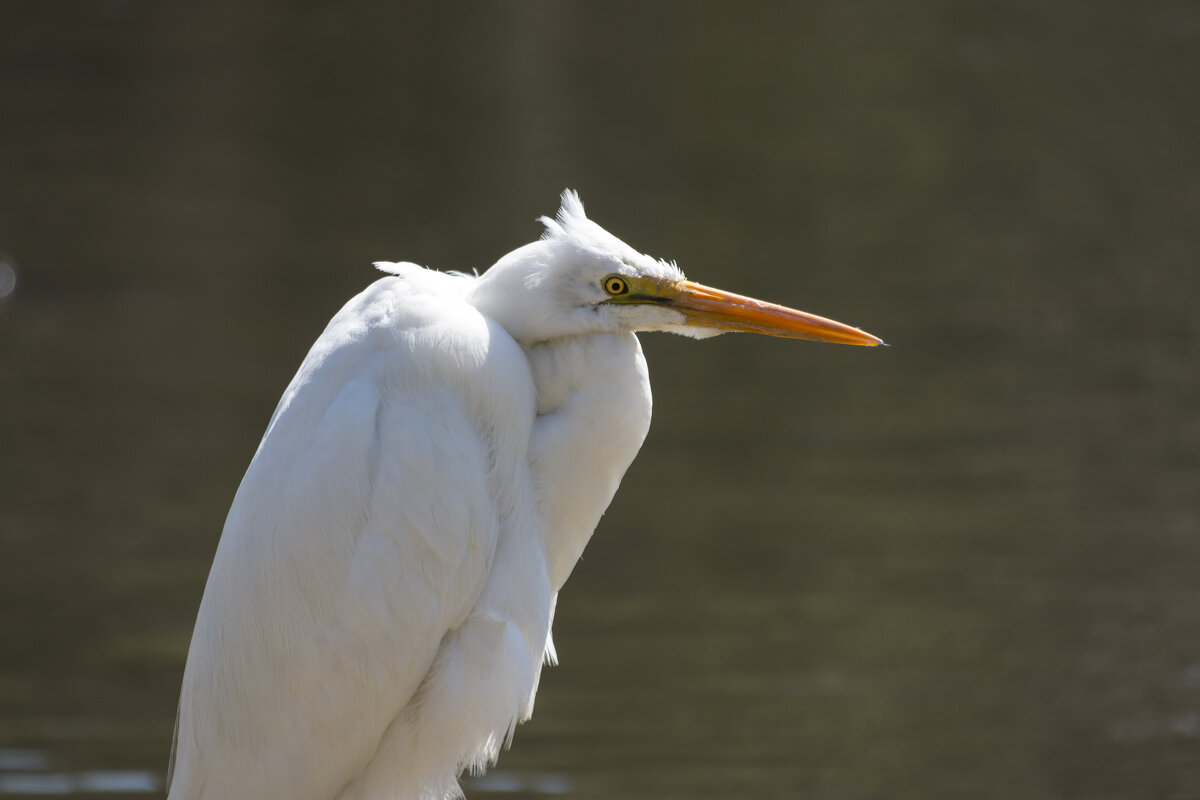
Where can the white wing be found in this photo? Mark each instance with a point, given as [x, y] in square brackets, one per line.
[364, 530]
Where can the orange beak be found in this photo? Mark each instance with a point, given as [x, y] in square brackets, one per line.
[713, 308]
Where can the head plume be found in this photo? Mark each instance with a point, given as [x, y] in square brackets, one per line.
[572, 228]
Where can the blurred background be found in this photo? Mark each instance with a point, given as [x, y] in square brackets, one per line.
[967, 565]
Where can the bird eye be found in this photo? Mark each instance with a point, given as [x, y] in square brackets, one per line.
[615, 284]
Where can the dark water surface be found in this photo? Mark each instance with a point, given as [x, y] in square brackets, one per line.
[964, 566]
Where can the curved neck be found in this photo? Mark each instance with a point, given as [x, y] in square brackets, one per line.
[594, 408]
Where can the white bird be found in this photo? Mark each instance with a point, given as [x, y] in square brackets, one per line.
[379, 607]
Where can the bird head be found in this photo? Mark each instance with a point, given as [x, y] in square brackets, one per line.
[579, 279]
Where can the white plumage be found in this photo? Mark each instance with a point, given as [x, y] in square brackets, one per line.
[379, 606]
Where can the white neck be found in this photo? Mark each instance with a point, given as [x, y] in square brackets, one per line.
[593, 414]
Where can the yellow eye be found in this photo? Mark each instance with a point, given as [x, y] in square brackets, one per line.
[615, 284]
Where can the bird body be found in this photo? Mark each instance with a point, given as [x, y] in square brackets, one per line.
[379, 606]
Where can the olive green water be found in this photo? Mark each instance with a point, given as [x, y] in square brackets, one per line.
[967, 565]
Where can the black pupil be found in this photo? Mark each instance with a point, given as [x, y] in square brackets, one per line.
[616, 285]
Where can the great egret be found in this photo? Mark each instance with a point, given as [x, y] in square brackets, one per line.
[379, 607]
